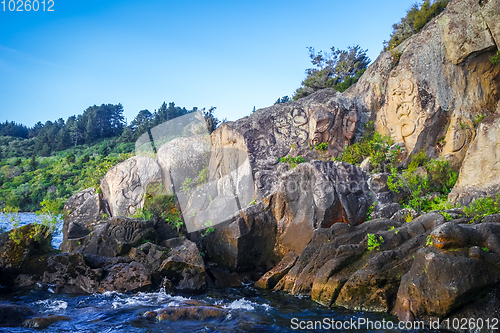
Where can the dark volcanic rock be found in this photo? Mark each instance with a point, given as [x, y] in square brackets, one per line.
[13, 315]
[70, 274]
[44, 322]
[114, 238]
[271, 278]
[130, 277]
[245, 242]
[81, 211]
[184, 266]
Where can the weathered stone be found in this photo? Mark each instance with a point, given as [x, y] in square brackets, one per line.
[82, 210]
[317, 195]
[124, 186]
[116, 237]
[189, 313]
[12, 315]
[271, 278]
[483, 154]
[245, 242]
[130, 277]
[442, 79]
[224, 278]
[184, 265]
[70, 275]
[436, 283]
[30, 241]
[44, 322]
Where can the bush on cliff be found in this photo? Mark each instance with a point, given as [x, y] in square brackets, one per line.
[416, 18]
[338, 70]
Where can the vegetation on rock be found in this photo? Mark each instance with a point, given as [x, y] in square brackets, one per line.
[339, 70]
[416, 18]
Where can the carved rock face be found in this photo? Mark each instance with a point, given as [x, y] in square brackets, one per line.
[124, 186]
[481, 166]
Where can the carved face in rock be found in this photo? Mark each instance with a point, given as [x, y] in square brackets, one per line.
[460, 133]
[321, 126]
[349, 125]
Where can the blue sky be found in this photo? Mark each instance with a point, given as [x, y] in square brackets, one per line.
[230, 54]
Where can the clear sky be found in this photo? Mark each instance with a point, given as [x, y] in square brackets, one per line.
[230, 54]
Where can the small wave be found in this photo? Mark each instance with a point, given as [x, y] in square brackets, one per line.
[242, 304]
[52, 305]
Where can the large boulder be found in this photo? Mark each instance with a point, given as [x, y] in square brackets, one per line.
[125, 185]
[358, 267]
[244, 243]
[81, 211]
[317, 195]
[114, 237]
[21, 250]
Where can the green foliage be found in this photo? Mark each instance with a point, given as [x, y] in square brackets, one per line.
[438, 177]
[485, 249]
[14, 220]
[187, 184]
[254, 202]
[339, 70]
[416, 18]
[284, 99]
[292, 161]
[370, 211]
[321, 146]
[447, 216]
[482, 207]
[495, 59]
[408, 218]
[380, 149]
[209, 230]
[374, 242]
[429, 240]
[479, 118]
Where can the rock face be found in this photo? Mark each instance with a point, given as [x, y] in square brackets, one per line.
[81, 211]
[115, 237]
[425, 269]
[483, 154]
[124, 186]
[442, 81]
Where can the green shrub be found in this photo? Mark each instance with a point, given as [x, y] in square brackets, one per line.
[414, 21]
[321, 146]
[292, 161]
[380, 149]
[495, 59]
[482, 207]
[374, 242]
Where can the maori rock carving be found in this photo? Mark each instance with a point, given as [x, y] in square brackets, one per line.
[293, 126]
[124, 186]
[402, 118]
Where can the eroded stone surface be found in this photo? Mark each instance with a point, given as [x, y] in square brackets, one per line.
[124, 186]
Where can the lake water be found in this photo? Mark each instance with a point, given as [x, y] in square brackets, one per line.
[248, 310]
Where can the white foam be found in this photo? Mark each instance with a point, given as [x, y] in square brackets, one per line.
[241, 304]
[52, 305]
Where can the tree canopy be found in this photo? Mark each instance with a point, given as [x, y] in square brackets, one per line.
[338, 69]
[414, 21]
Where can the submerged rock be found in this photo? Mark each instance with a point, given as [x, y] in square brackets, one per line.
[12, 315]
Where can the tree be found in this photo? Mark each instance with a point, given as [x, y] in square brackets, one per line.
[284, 99]
[414, 21]
[338, 69]
[211, 121]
